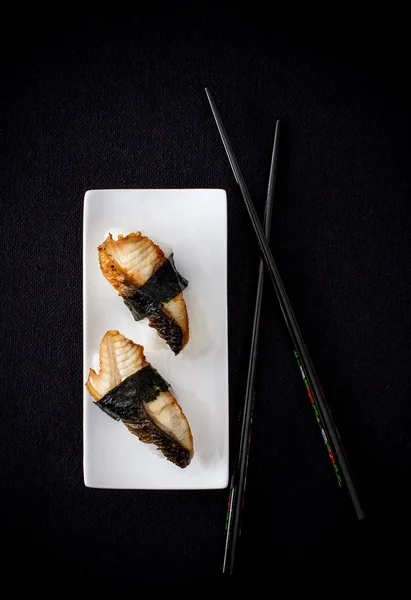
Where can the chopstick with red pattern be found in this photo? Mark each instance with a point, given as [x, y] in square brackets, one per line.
[329, 431]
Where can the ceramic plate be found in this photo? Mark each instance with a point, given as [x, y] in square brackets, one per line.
[192, 223]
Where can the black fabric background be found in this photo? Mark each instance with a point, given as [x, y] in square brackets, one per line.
[115, 99]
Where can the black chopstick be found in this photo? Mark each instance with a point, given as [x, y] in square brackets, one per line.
[317, 398]
[239, 475]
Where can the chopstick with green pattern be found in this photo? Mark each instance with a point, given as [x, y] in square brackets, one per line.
[329, 432]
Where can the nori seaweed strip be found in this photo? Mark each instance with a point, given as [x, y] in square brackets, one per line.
[125, 403]
[162, 286]
[124, 400]
[165, 283]
[135, 308]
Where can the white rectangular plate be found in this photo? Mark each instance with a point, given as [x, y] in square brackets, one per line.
[192, 223]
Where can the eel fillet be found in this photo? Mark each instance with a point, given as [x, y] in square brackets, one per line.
[127, 263]
[159, 421]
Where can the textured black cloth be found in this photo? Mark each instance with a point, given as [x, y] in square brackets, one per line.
[115, 99]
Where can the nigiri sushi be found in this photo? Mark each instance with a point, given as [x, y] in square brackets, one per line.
[130, 390]
[148, 283]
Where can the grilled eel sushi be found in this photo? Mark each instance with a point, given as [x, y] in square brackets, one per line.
[129, 389]
[148, 283]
